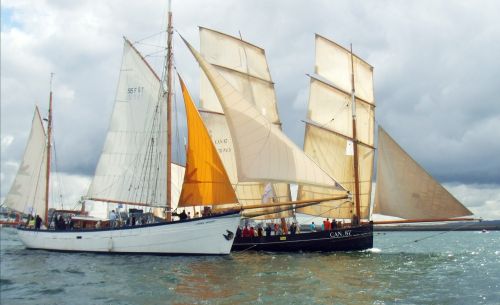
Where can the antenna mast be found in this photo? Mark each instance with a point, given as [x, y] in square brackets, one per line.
[47, 173]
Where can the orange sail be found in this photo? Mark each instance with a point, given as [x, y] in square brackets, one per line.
[205, 181]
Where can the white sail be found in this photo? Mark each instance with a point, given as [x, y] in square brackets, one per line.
[332, 108]
[404, 189]
[263, 152]
[333, 62]
[245, 67]
[27, 194]
[248, 192]
[329, 131]
[133, 161]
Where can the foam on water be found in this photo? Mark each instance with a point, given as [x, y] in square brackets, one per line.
[374, 250]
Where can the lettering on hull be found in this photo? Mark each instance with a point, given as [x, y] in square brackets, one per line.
[340, 234]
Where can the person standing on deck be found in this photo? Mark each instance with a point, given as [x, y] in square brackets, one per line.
[112, 219]
[252, 232]
[246, 232]
[38, 222]
[268, 230]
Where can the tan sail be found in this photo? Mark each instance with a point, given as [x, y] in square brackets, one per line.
[329, 131]
[329, 149]
[27, 194]
[404, 189]
[333, 62]
[244, 66]
[263, 152]
[205, 180]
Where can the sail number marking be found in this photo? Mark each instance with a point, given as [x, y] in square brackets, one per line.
[135, 91]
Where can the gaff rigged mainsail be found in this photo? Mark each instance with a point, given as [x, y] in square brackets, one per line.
[329, 131]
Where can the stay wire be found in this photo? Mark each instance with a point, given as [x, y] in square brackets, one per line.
[150, 36]
[429, 236]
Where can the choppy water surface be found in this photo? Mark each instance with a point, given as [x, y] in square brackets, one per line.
[451, 268]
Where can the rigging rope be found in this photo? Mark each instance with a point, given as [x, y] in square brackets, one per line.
[430, 236]
[150, 36]
[56, 171]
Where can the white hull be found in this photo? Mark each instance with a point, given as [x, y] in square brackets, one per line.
[196, 236]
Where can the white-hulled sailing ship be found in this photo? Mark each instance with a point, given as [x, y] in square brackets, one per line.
[135, 169]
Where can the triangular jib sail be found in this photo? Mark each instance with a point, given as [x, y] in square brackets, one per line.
[205, 180]
[404, 189]
[27, 194]
[132, 165]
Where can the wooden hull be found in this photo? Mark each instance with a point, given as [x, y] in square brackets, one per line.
[345, 239]
[200, 236]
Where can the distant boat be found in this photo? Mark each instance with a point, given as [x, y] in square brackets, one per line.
[135, 169]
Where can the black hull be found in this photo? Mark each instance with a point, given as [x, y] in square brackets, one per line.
[345, 239]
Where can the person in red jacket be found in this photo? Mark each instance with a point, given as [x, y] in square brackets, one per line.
[246, 232]
[252, 232]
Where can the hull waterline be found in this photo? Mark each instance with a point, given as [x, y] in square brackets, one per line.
[345, 239]
[201, 236]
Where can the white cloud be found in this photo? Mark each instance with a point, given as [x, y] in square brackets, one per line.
[67, 190]
[6, 142]
[482, 199]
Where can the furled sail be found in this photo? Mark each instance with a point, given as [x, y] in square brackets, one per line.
[205, 180]
[244, 66]
[27, 194]
[263, 152]
[329, 131]
[132, 166]
[404, 189]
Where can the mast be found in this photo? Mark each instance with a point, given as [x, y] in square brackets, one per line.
[47, 172]
[168, 62]
[355, 142]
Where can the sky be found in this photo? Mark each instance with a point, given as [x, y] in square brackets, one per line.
[436, 73]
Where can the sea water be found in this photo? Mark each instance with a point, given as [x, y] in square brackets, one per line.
[402, 268]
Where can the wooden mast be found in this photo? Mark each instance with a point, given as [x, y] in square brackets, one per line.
[47, 172]
[169, 113]
[355, 142]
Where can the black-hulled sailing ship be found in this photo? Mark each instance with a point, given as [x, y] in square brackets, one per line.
[339, 137]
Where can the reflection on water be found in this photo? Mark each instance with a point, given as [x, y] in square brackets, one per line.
[454, 268]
